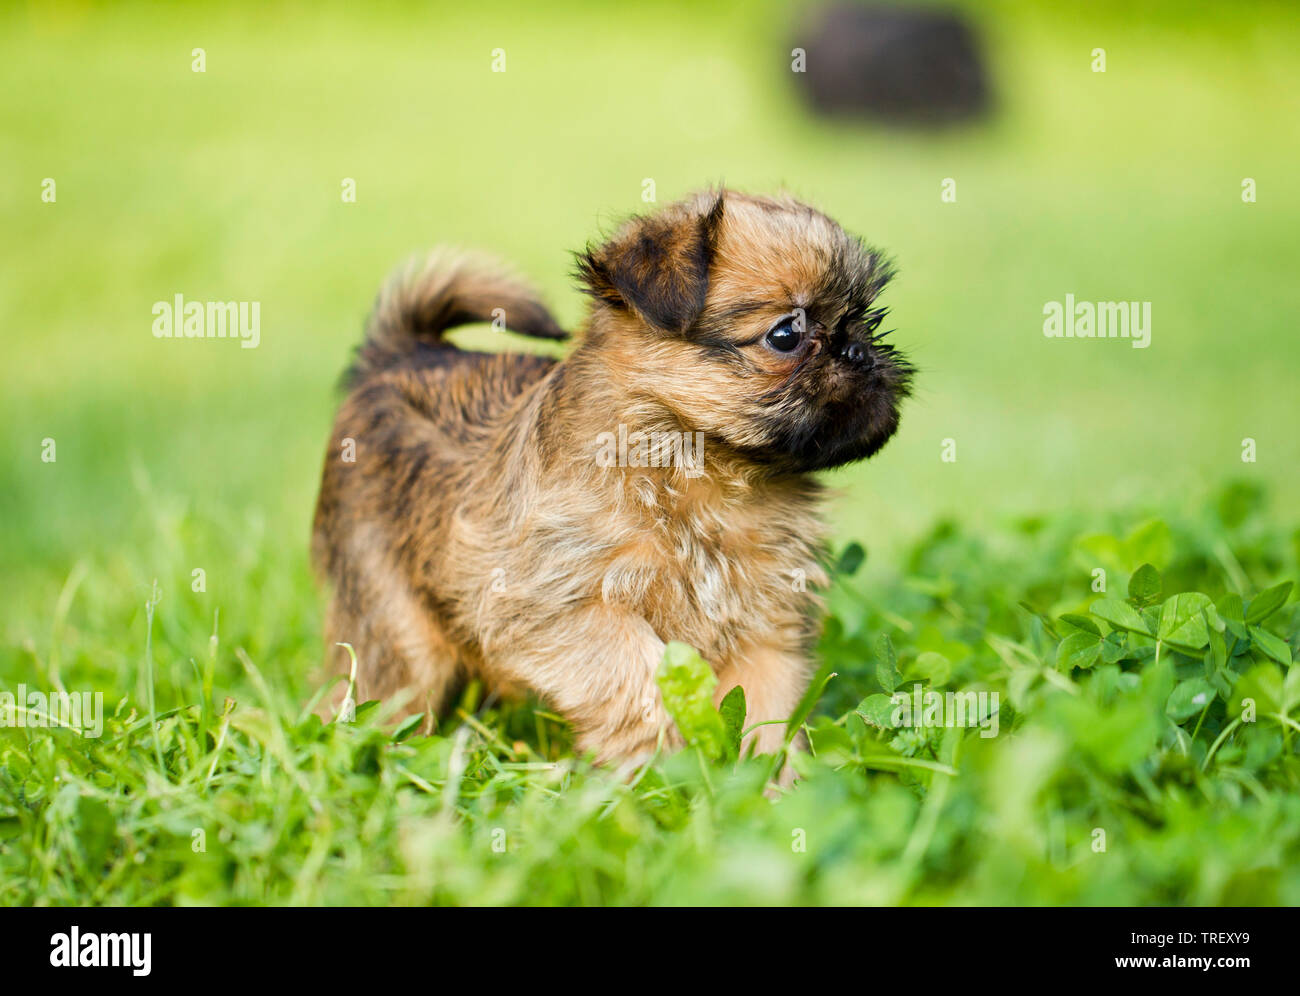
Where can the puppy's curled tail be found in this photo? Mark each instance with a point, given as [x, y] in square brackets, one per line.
[439, 291]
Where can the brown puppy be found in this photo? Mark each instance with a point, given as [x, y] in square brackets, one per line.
[550, 525]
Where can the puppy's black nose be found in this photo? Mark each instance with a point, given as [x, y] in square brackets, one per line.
[857, 354]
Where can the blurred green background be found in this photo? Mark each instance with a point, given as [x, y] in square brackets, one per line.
[225, 185]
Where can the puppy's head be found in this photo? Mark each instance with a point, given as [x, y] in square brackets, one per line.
[754, 321]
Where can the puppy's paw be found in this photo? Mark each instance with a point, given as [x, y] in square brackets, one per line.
[633, 742]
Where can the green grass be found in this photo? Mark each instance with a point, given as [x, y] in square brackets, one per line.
[177, 456]
[1121, 772]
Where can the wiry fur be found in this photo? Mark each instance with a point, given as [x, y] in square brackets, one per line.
[477, 534]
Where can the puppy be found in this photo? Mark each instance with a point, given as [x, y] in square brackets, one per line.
[551, 525]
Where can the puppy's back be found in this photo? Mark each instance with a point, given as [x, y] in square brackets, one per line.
[419, 409]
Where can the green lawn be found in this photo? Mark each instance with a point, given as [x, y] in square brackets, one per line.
[1072, 455]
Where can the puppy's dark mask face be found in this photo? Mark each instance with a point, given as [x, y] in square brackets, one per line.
[755, 321]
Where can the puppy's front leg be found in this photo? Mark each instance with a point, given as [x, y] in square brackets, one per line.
[597, 667]
[774, 679]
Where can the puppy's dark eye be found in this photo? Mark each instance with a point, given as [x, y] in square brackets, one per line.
[786, 334]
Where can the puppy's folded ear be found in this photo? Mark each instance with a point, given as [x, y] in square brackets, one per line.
[658, 266]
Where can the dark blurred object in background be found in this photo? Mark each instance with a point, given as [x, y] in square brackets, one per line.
[894, 63]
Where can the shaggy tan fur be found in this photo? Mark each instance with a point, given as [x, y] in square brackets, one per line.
[479, 532]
